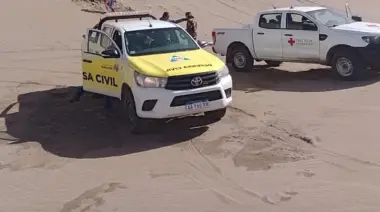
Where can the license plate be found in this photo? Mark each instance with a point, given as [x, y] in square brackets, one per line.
[196, 105]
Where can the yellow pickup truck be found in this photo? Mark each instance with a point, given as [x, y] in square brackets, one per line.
[155, 68]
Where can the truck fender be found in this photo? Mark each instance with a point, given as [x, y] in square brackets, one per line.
[231, 47]
[330, 54]
[125, 88]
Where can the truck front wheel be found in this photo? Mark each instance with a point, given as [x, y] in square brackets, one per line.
[138, 125]
[241, 59]
[348, 65]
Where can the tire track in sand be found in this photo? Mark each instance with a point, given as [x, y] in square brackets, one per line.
[91, 198]
[203, 171]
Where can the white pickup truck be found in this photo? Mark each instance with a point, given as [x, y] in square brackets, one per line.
[305, 35]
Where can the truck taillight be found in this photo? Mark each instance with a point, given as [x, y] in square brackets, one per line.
[213, 37]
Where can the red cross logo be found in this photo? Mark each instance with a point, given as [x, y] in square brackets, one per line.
[291, 41]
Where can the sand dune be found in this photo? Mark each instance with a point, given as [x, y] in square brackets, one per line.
[293, 140]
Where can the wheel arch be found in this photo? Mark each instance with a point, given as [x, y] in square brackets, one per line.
[125, 88]
[233, 46]
[333, 50]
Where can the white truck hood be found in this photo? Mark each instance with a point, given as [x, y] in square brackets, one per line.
[366, 27]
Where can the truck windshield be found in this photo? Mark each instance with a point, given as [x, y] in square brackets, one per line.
[330, 18]
[158, 41]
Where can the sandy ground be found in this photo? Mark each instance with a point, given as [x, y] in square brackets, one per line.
[293, 140]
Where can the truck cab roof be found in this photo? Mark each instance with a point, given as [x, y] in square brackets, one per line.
[298, 9]
[134, 25]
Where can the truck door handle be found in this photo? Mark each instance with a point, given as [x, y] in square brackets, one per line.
[87, 61]
[322, 37]
[288, 35]
[260, 33]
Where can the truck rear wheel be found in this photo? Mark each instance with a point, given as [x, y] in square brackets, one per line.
[272, 63]
[348, 65]
[138, 125]
[241, 59]
[216, 115]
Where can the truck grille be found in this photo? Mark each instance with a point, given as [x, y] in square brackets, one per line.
[184, 99]
[184, 82]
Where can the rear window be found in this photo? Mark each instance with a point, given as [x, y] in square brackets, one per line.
[270, 21]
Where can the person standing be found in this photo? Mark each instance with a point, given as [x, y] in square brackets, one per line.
[110, 4]
[166, 17]
[191, 25]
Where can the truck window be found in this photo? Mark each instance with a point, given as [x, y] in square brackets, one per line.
[93, 37]
[97, 48]
[118, 39]
[158, 41]
[299, 22]
[329, 17]
[93, 40]
[107, 30]
[104, 41]
[270, 21]
[181, 38]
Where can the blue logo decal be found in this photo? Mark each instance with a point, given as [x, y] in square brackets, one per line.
[178, 58]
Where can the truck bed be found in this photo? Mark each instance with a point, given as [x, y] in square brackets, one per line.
[226, 36]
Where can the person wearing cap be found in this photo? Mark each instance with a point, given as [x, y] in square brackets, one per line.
[191, 25]
[166, 17]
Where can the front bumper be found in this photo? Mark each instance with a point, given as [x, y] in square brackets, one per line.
[371, 55]
[161, 103]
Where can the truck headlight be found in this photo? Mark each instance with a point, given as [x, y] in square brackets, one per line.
[371, 39]
[223, 72]
[149, 82]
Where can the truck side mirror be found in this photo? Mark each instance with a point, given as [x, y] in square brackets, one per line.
[357, 18]
[110, 53]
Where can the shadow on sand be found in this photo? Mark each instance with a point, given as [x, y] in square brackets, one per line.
[81, 130]
[313, 80]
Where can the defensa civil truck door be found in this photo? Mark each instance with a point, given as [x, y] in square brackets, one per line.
[101, 59]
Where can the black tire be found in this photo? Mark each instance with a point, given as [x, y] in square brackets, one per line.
[348, 65]
[138, 125]
[241, 58]
[216, 115]
[272, 63]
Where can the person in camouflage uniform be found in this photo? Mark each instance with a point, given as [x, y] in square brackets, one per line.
[191, 25]
[166, 17]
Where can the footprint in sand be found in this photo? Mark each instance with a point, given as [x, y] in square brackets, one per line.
[306, 173]
[279, 197]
